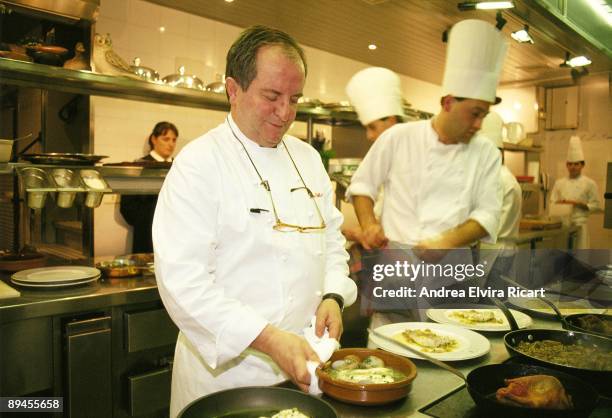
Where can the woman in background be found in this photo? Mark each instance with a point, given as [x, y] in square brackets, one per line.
[138, 210]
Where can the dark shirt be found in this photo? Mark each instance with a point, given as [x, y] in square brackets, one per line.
[138, 211]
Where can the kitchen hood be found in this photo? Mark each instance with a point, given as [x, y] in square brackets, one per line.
[63, 10]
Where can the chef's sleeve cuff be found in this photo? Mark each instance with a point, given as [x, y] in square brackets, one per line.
[343, 286]
[489, 222]
[238, 334]
[360, 189]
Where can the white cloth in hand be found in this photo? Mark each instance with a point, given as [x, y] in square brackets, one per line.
[324, 347]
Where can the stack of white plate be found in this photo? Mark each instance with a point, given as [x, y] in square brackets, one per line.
[59, 276]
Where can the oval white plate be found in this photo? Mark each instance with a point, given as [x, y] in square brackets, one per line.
[52, 285]
[58, 275]
[470, 344]
[445, 316]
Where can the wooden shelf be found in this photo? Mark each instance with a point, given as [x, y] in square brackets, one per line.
[513, 147]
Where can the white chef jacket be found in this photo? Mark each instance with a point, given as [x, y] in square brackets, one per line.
[510, 217]
[223, 273]
[583, 189]
[430, 187]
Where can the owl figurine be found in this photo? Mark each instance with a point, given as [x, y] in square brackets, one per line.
[106, 60]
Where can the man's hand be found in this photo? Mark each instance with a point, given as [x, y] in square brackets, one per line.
[373, 236]
[578, 203]
[431, 251]
[289, 351]
[330, 316]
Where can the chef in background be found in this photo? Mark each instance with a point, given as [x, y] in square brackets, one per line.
[441, 178]
[376, 95]
[578, 191]
[499, 256]
[247, 238]
[138, 210]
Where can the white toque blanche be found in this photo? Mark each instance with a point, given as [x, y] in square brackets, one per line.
[492, 126]
[574, 150]
[375, 93]
[474, 59]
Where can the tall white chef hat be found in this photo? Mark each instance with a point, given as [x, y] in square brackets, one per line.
[375, 93]
[491, 128]
[574, 150]
[474, 59]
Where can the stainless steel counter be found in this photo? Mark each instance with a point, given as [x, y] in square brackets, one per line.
[104, 293]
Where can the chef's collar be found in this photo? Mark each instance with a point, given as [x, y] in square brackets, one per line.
[250, 144]
[438, 142]
[159, 158]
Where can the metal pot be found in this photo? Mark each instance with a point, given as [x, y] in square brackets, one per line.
[143, 72]
[216, 87]
[182, 80]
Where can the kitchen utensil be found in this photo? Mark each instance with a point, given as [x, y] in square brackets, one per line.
[47, 54]
[68, 184]
[21, 261]
[120, 268]
[59, 158]
[514, 132]
[37, 184]
[216, 87]
[96, 187]
[256, 401]
[368, 394]
[143, 72]
[181, 79]
[483, 382]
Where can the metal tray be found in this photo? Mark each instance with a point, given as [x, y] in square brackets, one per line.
[58, 158]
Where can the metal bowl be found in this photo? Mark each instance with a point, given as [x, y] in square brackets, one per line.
[183, 80]
[216, 87]
[119, 268]
[146, 73]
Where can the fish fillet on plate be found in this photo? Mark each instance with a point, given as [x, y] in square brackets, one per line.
[442, 341]
[478, 319]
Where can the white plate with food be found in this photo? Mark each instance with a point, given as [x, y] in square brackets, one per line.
[567, 307]
[442, 341]
[479, 319]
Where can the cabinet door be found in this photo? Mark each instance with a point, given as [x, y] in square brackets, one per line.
[88, 363]
[562, 105]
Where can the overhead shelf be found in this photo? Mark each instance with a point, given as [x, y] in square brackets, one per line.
[34, 75]
[513, 147]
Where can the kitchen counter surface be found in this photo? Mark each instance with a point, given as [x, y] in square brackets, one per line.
[529, 235]
[101, 294]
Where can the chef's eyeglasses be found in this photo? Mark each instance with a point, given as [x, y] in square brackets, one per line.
[280, 225]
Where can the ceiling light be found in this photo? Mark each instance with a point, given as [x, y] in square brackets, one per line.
[602, 8]
[162, 29]
[229, 1]
[372, 47]
[579, 61]
[485, 5]
[522, 36]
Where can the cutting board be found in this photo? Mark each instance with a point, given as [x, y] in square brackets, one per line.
[7, 291]
[535, 224]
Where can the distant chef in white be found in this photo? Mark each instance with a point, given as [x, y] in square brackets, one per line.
[499, 256]
[246, 236]
[441, 179]
[578, 191]
[376, 95]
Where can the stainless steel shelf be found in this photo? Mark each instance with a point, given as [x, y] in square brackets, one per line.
[513, 147]
[29, 74]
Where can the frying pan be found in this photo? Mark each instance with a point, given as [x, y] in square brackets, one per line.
[256, 401]
[483, 382]
[571, 322]
[599, 378]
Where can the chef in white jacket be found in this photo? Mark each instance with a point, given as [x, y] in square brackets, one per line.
[499, 256]
[376, 95]
[578, 191]
[246, 237]
[441, 178]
